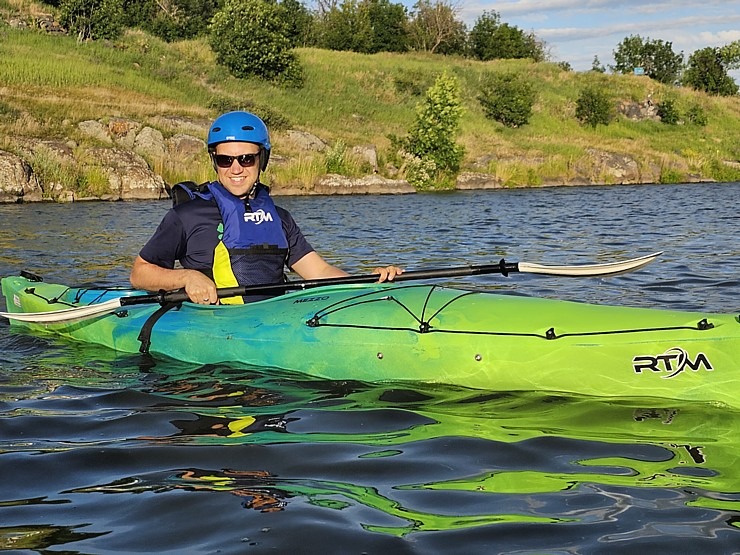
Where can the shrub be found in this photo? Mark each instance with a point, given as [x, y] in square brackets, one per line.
[419, 172]
[695, 114]
[508, 99]
[437, 120]
[593, 107]
[336, 158]
[670, 176]
[668, 112]
[92, 19]
[249, 37]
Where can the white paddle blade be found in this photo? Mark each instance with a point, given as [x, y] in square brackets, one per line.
[590, 270]
[65, 315]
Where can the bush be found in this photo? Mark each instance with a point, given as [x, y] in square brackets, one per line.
[249, 37]
[508, 99]
[593, 107]
[668, 112]
[419, 172]
[336, 158]
[92, 19]
[695, 114]
[670, 176]
[437, 120]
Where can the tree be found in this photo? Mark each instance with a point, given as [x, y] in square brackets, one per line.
[170, 20]
[596, 66]
[508, 98]
[92, 19]
[481, 45]
[437, 121]
[249, 37]
[389, 24]
[706, 71]
[654, 56]
[299, 23]
[346, 27]
[490, 39]
[366, 26]
[435, 28]
[731, 55]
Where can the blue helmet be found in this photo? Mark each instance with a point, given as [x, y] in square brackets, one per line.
[243, 127]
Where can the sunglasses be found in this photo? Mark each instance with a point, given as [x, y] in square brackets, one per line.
[245, 160]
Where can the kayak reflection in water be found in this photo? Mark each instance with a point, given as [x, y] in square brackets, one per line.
[229, 233]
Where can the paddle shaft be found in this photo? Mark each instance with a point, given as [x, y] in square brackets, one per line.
[163, 297]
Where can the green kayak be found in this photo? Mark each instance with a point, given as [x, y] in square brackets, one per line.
[418, 333]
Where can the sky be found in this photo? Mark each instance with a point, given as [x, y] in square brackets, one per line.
[577, 30]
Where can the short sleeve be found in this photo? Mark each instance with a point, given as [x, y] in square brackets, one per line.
[167, 244]
[297, 244]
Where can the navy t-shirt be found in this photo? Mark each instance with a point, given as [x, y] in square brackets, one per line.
[188, 234]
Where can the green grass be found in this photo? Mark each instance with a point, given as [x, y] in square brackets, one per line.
[50, 83]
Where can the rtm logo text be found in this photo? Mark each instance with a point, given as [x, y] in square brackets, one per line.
[257, 217]
[671, 363]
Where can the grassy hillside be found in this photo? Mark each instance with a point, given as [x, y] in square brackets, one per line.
[50, 83]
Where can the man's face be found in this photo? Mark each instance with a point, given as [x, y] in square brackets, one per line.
[237, 179]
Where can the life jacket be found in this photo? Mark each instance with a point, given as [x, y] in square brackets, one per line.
[252, 246]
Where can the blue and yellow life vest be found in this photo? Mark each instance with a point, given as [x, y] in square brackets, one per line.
[252, 245]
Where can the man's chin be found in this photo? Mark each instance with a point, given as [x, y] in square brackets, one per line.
[237, 190]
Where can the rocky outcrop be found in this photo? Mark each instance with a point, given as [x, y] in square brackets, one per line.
[467, 181]
[306, 141]
[121, 163]
[97, 173]
[609, 167]
[638, 111]
[333, 184]
[128, 174]
[118, 168]
[17, 181]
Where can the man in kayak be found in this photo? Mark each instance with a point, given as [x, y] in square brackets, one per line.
[230, 233]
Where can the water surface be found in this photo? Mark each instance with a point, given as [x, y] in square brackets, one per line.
[104, 453]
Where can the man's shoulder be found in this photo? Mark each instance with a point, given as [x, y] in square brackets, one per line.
[197, 205]
[282, 211]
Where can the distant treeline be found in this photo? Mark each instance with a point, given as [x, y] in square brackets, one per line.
[254, 37]
[366, 26]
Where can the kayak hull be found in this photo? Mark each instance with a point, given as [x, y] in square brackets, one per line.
[425, 333]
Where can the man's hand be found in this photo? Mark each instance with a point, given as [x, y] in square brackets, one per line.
[387, 273]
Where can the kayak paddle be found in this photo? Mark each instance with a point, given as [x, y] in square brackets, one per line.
[503, 267]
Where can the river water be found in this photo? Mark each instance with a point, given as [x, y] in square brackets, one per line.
[102, 453]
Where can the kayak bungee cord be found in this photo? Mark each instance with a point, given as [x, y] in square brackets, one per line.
[425, 326]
